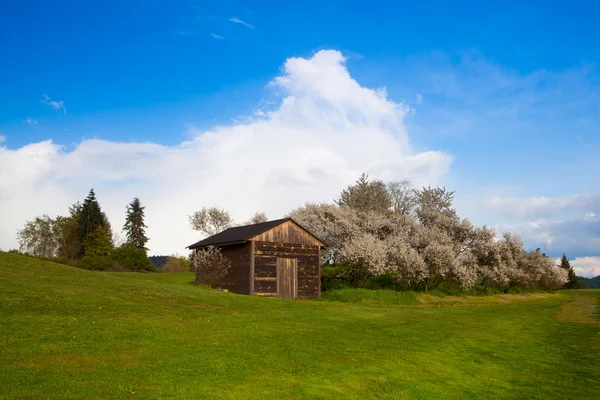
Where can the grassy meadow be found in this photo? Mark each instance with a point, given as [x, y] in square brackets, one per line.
[69, 333]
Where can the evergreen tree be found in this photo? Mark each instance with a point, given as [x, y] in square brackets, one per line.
[573, 282]
[134, 225]
[98, 242]
[90, 218]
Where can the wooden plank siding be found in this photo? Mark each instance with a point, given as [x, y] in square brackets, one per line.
[308, 266]
[288, 232]
[238, 279]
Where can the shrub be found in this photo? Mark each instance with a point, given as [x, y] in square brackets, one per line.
[131, 257]
[177, 264]
[513, 290]
[96, 263]
[211, 267]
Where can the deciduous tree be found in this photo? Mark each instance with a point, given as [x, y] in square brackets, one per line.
[366, 195]
[402, 196]
[38, 237]
[210, 220]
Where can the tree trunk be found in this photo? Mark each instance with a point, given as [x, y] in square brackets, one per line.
[366, 282]
[426, 284]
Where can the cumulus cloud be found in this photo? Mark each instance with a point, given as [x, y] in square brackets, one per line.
[326, 130]
[539, 207]
[2, 138]
[579, 237]
[57, 105]
[588, 267]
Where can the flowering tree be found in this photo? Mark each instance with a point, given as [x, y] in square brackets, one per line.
[211, 266]
[422, 242]
[210, 220]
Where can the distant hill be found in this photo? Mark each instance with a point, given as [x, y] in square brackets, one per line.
[592, 283]
[158, 261]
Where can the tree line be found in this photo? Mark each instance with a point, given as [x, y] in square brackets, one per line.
[85, 237]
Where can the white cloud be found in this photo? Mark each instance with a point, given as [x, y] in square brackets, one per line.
[30, 121]
[2, 139]
[57, 105]
[591, 216]
[326, 131]
[575, 237]
[539, 207]
[214, 35]
[419, 98]
[588, 267]
[239, 21]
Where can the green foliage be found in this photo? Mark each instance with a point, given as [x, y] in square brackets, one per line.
[573, 280]
[38, 237]
[90, 217]
[134, 227]
[366, 195]
[178, 264]
[66, 231]
[131, 257]
[94, 263]
[97, 243]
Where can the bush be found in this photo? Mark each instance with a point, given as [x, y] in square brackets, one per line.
[130, 257]
[211, 267]
[96, 263]
[177, 264]
[513, 290]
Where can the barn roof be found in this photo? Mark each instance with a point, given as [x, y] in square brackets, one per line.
[239, 234]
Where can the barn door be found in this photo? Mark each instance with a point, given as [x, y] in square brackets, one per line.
[287, 278]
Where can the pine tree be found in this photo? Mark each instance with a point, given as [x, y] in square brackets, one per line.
[90, 218]
[134, 225]
[573, 282]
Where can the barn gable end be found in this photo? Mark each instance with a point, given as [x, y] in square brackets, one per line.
[288, 232]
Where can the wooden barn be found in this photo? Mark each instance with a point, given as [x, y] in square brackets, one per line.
[274, 259]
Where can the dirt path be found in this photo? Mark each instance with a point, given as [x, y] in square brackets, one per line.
[582, 310]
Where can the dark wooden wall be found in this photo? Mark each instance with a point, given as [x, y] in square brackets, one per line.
[238, 279]
[265, 268]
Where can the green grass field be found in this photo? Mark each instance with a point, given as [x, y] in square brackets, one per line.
[69, 333]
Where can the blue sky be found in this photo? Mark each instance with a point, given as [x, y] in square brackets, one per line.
[508, 93]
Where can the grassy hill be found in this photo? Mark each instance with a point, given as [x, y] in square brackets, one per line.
[71, 333]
